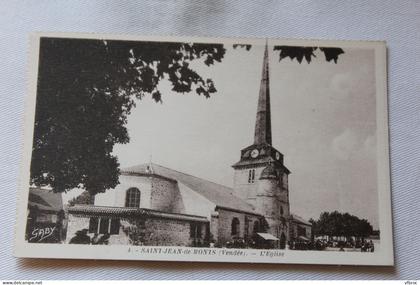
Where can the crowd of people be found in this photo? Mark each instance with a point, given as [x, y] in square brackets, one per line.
[307, 245]
[367, 246]
[322, 244]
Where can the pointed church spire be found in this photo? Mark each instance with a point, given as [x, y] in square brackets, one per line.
[263, 120]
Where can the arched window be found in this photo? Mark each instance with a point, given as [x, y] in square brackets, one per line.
[256, 227]
[251, 176]
[235, 226]
[132, 198]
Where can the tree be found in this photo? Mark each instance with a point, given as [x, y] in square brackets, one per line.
[339, 224]
[86, 90]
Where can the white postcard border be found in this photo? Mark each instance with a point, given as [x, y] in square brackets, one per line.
[384, 256]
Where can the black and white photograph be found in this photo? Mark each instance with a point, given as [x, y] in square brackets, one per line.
[201, 149]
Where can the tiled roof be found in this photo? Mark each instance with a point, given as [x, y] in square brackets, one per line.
[130, 212]
[218, 194]
[299, 220]
[45, 199]
[246, 162]
[259, 161]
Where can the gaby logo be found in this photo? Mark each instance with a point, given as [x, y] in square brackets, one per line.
[40, 234]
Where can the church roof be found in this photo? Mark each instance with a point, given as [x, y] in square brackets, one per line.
[259, 161]
[299, 220]
[218, 194]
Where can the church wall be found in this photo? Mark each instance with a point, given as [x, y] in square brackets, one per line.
[170, 233]
[143, 231]
[272, 202]
[268, 206]
[285, 181]
[267, 198]
[159, 194]
[284, 195]
[116, 197]
[225, 218]
[284, 203]
[165, 195]
[225, 226]
[178, 205]
[243, 189]
[214, 228]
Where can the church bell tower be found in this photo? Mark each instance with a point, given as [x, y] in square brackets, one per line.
[260, 176]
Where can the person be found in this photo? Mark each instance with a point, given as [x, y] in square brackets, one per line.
[372, 246]
[364, 247]
[81, 237]
[95, 238]
[291, 245]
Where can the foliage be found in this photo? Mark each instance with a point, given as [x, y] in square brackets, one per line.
[83, 198]
[300, 53]
[86, 90]
[339, 224]
[246, 46]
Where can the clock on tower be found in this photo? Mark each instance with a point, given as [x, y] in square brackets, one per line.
[254, 153]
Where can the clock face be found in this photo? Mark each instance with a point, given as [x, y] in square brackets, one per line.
[254, 153]
[277, 155]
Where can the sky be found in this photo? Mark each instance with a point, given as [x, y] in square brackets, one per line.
[323, 121]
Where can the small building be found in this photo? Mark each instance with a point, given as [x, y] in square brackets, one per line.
[300, 229]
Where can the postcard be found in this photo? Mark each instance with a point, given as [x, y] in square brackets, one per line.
[205, 149]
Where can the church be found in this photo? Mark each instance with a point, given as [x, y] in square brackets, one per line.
[159, 206]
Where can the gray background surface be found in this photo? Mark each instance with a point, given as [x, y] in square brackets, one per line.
[397, 22]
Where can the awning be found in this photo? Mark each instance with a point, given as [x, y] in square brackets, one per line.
[303, 238]
[267, 236]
